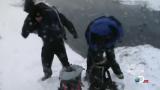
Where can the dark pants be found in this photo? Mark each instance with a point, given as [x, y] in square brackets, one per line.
[48, 51]
[110, 55]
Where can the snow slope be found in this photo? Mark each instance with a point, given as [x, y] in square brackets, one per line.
[142, 60]
[20, 62]
[152, 4]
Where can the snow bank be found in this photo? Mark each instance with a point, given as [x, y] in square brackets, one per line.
[137, 61]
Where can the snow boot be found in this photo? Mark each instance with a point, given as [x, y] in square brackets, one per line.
[47, 74]
[68, 69]
[120, 76]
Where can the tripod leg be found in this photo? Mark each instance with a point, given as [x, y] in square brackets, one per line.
[111, 84]
[109, 75]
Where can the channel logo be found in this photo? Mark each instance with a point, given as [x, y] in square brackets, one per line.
[141, 79]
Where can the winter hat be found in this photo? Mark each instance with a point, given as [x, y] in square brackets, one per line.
[29, 5]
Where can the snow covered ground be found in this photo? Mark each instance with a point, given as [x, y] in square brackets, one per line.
[20, 62]
[152, 4]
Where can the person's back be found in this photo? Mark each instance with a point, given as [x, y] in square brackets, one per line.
[101, 36]
[48, 28]
[47, 23]
[105, 29]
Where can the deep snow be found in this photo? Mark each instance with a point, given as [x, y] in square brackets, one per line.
[20, 62]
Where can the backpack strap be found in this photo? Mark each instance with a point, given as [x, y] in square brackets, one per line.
[60, 22]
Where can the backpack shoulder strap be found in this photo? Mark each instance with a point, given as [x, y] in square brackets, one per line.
[60, 22]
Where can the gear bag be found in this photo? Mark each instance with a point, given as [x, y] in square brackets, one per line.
[71, 80]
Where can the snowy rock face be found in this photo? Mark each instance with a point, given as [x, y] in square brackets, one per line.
[141, 24]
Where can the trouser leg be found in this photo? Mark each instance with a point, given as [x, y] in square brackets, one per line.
[110, 55]
[62, 55]
[47, 58]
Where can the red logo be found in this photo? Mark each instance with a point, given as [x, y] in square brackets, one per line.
[146, 81]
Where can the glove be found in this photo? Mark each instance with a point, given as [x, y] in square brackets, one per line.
[25, 34]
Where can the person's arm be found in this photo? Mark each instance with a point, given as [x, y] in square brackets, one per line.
[116, 30]
[117, 27]
[68, 25]
[29, 26]
[25, 28]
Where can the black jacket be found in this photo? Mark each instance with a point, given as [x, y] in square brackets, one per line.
[49, 29]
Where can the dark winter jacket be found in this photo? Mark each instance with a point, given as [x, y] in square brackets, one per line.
[105, 29]
[49, 29]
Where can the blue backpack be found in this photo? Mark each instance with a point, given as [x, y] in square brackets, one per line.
[103, 29]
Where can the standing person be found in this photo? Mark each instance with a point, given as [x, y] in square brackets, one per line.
[48, 24]
[101, 36]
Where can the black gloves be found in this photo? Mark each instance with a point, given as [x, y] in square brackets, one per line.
[25, 34]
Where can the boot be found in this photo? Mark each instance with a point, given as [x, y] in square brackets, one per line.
[117, 71]
[68, 69]
[47, 74]
[120, 76]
